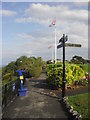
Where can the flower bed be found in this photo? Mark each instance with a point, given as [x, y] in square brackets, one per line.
[74, 74]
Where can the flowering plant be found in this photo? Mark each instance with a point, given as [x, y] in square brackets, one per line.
[73, 74]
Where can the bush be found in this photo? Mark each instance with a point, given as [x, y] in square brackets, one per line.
[73, 73]
[7, 76]
[33, 68]
[35, 71]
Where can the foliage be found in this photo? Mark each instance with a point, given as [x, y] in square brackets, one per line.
[73, 74]
[80, 103]
[79, 60]
[9, 68]
[7, 78]
[35, 71]
[33, 68]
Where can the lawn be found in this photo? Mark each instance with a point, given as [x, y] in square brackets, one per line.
[80, 104]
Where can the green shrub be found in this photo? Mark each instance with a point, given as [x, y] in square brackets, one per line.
[35, 71]
[33, 68]
[6, 76]
[73, 73]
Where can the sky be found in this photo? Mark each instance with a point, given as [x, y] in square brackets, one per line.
[26, 31]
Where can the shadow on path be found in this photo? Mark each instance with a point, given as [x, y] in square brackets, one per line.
[39, 102]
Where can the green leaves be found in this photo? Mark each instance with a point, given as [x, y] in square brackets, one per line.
[72, 73]
[33, 68]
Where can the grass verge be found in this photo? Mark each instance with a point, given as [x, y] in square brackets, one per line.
[80, 104]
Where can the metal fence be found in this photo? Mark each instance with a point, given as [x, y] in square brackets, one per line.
[9, 91]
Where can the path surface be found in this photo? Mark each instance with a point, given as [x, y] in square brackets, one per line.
[39, 102]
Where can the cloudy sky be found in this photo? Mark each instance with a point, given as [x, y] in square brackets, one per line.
[26, 31]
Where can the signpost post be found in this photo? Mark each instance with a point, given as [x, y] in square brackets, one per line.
[63, 44]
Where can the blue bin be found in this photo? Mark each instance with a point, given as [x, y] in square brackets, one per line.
[22, 92]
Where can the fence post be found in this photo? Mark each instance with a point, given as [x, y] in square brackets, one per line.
[17, 87]
[5, 94]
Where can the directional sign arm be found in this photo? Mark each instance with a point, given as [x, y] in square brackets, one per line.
[61, 40]
[59, 46]
[72, 45]
[66, 39]
[68, 45]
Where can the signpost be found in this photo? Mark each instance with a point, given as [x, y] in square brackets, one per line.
[63, 44]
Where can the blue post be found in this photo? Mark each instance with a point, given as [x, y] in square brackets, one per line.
[20, 74]
[21, 85]
[22, 91]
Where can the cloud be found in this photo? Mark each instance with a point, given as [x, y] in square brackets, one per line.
[7, 13]
[40, 13]
[73, 22]
[45, 1]
[24, 36]
[81, 3]
[23, 20]
[77, 33]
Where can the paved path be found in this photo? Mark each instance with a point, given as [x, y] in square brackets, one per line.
[39, 102]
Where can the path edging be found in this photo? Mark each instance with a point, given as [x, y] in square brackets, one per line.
[72, 113]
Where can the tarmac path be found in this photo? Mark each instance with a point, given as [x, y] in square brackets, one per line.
[39, 102]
